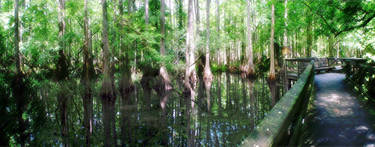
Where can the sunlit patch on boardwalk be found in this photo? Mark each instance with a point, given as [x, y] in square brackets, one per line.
[338, 119]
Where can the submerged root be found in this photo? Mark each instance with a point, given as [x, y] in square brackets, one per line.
[126, 85]
[251, 72]
[207, 74]
[272, 77]
[244, 68]
[107, 91]
[247, 70]
[165, 77]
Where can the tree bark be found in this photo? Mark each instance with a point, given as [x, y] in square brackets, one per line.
[18, 84]
[62, 74]
[331, 44]
[126, 86]
[286, 48]
[218, 15]
[197, 15]
[272, 56]
[146, 12]
[180, 15]
[189, 53]
[163, 71]
[87, 71]
[130, 6]
[107, 92]
[17, 36]
[250, 39]
[309, 34]
[207, 69]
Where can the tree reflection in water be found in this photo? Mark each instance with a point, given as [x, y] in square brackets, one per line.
[220, 113]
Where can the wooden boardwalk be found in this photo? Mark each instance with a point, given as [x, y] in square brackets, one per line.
[335, 118]
[338, 119]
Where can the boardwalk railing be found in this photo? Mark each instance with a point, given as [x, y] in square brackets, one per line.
[293, 67]
[283, 124]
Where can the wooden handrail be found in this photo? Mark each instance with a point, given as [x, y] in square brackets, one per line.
[287, 113]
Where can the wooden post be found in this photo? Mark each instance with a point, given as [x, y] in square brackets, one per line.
[285, 76]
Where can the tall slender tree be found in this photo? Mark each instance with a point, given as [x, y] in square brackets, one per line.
[126, 85]
[218, 15]
[180, 14]
[107, 92]
[146, 12]
[87, 72]
[207, 69]
[17, 36]
[331, 45]
[250, 38]
[163, 71]
[189, 53]
[272, 52]
[308, 33]
[130, 6]
[19, 82]
[62, 74]
[285, 35]
[197, 14]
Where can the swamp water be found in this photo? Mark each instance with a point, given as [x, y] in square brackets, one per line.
[219, 116]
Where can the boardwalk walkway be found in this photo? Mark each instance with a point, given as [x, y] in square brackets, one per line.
[338, 119]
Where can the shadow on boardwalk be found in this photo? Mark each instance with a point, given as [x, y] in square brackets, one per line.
[337, 118]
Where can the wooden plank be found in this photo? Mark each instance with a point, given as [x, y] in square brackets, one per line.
[273, 127]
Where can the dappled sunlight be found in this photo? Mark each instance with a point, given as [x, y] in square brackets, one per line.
[371, 136]
[362, 128]
[341, 113]
[182, 72]
[335, 105]
[339, 118]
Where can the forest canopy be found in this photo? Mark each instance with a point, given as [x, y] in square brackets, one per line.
[70, 45]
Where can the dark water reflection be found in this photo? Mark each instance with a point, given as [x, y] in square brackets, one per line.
[221, 115]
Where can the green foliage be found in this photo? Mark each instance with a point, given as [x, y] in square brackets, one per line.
[135, 45]
[362, 80]
[218, 68]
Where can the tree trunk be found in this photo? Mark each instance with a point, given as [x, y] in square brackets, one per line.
[331, 44]
[218, 15]
[286, 48]
[126, 86]
[62, 74]
[197, 15]
[197, 31]
[180, 14]
[18, 83]
[338, 50]
[207, 69]
[189, 53]
[130, 6]
[107, 92]
[309, 34]
[250, 71]
[163, 71]
[272, 67]
[146, 12]
[17, 36]
[87, 71]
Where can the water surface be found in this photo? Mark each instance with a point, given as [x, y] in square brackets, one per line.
[220, 115]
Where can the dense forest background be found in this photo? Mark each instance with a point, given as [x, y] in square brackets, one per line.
[50, 48]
